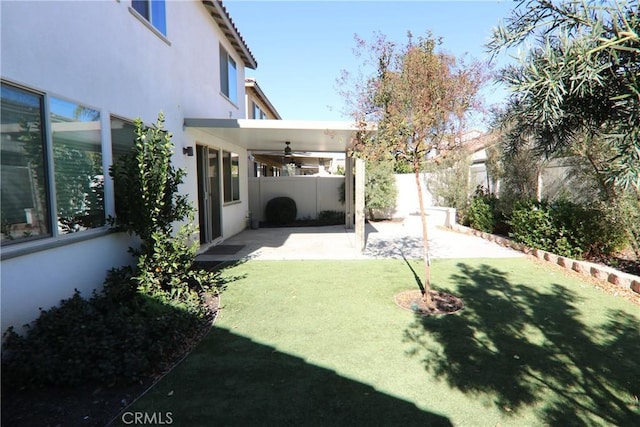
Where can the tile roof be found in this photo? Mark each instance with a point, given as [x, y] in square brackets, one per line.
[251, 83]
[221, 16]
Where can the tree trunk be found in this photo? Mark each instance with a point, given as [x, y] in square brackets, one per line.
[426, 296]
[539, 184]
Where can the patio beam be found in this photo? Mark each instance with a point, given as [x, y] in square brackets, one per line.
[360, 217]
[348, 190]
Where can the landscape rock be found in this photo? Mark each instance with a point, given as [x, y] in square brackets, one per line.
[618, 279]
[579, 267]
[599, 274]
[551, 257]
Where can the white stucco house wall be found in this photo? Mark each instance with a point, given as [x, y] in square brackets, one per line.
[74, 76]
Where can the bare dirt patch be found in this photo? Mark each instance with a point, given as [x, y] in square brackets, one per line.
[443, 303]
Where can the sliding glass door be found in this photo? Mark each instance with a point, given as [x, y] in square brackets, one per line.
[209, 202]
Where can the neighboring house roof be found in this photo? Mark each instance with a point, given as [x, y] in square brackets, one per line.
[474, 141]
[251, 84]
[477, 146]
[223, 19]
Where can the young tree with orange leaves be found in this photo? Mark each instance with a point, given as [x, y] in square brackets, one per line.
[419, 97]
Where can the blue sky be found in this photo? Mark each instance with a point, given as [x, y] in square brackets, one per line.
[302, 46]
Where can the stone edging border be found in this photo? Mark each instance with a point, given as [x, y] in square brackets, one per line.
[599, 272]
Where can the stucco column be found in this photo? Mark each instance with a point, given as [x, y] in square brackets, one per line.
[360, 182]
[348, 190]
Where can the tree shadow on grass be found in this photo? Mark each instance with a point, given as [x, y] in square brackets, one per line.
[232, 380]
[524, 346]
[416, 277]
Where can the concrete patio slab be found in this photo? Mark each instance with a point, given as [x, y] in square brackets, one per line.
[384, 239]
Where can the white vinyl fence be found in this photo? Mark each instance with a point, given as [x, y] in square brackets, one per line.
[312, 194]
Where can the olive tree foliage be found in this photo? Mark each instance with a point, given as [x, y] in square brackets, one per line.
[449, 181]
[380, 191]
[578, 79]
[518, 171]
[577, 93]
[419, 97]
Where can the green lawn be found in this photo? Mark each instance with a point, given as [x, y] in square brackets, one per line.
[323, 343]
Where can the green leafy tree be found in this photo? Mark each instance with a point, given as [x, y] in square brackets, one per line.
[148, 205]
[146, 185]
[380, 187]
[419, 98]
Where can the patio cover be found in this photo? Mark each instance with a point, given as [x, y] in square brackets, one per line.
[270, 135]
[308, 136]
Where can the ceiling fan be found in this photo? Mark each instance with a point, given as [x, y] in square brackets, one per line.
[288, 152]
[293, 157]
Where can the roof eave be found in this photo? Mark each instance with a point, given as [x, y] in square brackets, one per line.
[222, 18]
[253, 84]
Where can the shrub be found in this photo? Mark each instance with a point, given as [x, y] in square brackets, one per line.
[481, 213]
[147, 205]
[596, 229]
[281, 211]
[331, 217]
[625, 213]
[118, 336]
[449, 182]
[566, 228]
[380, 187]
[142, 317]
[533, 224]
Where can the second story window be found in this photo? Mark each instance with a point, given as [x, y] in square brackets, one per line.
[228, 76]
[258, 113]
[153, 11]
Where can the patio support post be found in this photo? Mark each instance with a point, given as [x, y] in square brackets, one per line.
[360, 183]
[348, 190]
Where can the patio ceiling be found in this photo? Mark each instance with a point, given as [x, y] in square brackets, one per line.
[271, 135]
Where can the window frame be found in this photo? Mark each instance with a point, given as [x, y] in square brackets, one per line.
[258, 113]
[154, 16]
[230, 181]
[64, 112]
[55, 236]
[47, 174]
[116, 151]
[228, 88]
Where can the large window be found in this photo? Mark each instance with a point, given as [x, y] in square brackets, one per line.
[23, 187]
[228, 76]
[56, 180]
[231, 176]
[77, 165]
[153, 11]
